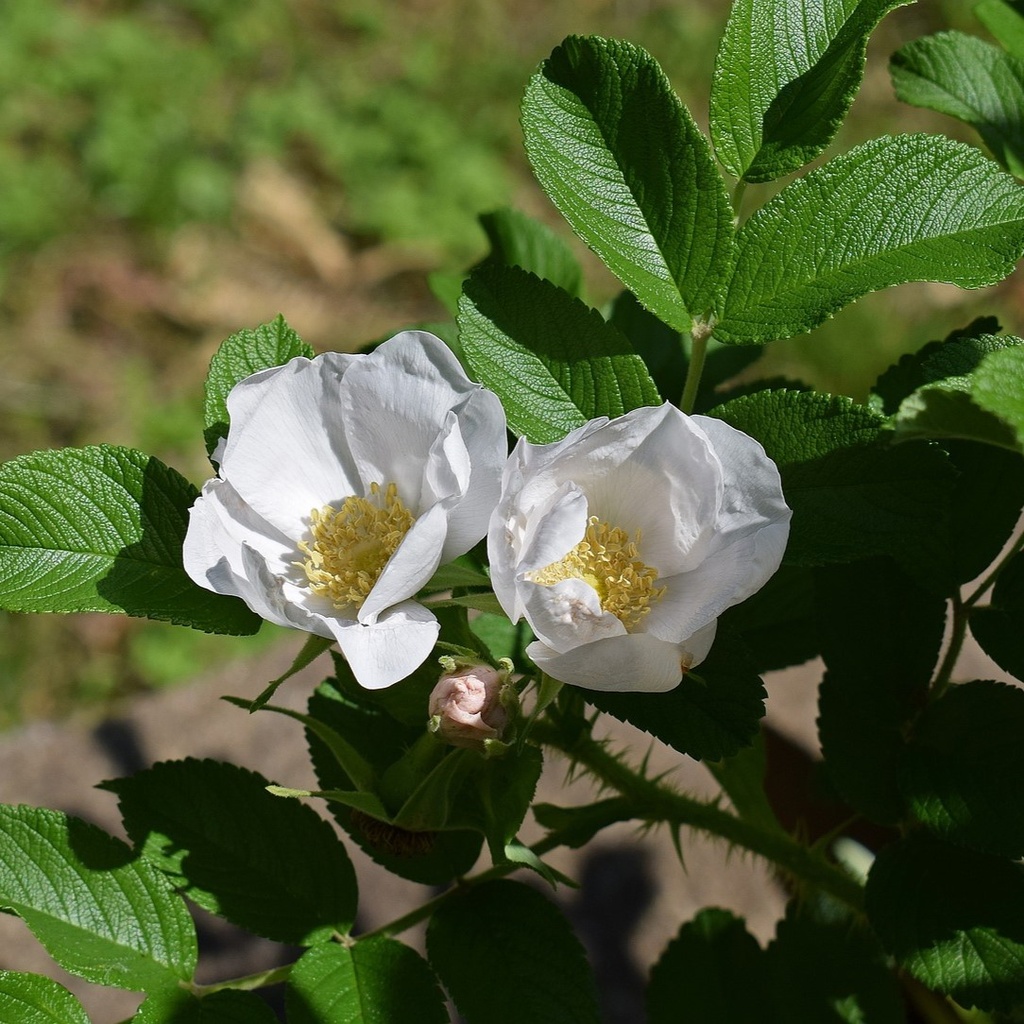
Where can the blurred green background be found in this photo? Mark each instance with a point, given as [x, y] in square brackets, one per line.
[173, 171]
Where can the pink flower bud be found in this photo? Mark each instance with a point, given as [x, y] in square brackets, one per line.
[466, 706]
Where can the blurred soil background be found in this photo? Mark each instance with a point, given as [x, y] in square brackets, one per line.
[172, 171]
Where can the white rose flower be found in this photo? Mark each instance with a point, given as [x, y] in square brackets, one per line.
[344, 482]
[622, 543]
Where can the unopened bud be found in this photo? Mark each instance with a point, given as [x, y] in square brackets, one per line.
[469, 704]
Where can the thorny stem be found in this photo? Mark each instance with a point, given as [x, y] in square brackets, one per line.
[698, 350]
[961, 613]
[655, 802]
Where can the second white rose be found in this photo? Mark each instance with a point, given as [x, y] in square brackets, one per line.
[622, 543]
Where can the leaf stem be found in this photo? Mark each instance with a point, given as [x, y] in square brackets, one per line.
[961, 614]
[246, 983]
[699, 335]
[985, 585]
[424, 910]
[655, 802]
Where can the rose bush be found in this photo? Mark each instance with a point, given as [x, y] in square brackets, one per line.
[344, 482]
[622, 543]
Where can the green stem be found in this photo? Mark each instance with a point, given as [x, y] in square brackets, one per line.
[737, 199]
[699, 335]
[958, 633]
[654, 802]
[246, 983]
[962, 613]
[424, 910]
[983, 587]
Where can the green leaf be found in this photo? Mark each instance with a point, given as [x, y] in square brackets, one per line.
[245, 353]
[987, 499]
[576, 826]
[100, 529]
[998, 387]
[969, 79]
[553, 361]
[785, 77]
[463, 572]
[32, 999]
[484, 944]
[431, 858]
[741, 777]
[953, 918]
[375, 981]
[225, 1007]
[778, 622]
[825, 969]
[1005, 21]
[624, 162]
[100, 914]
[271, 866]
[711, 714]
[715, 969]
[946, 410]
[999, 627]
[853, 494]
[873, 688]
[957, 355]
[520, 241]
[963, 773]
[895, 209]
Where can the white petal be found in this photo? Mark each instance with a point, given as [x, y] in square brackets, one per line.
[752, 495]
[395, 402]
[286, 452]
[409, 568]
[482, 428]
[635, 661]
[567, 614]
[727, 577]
[383, 652]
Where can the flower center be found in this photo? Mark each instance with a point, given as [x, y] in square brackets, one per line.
[351, 546]
[609, 561]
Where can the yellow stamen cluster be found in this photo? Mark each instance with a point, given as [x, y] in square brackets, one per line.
[610, 562]
[351, 546]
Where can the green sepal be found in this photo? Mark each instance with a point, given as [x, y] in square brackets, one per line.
[311, 650]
